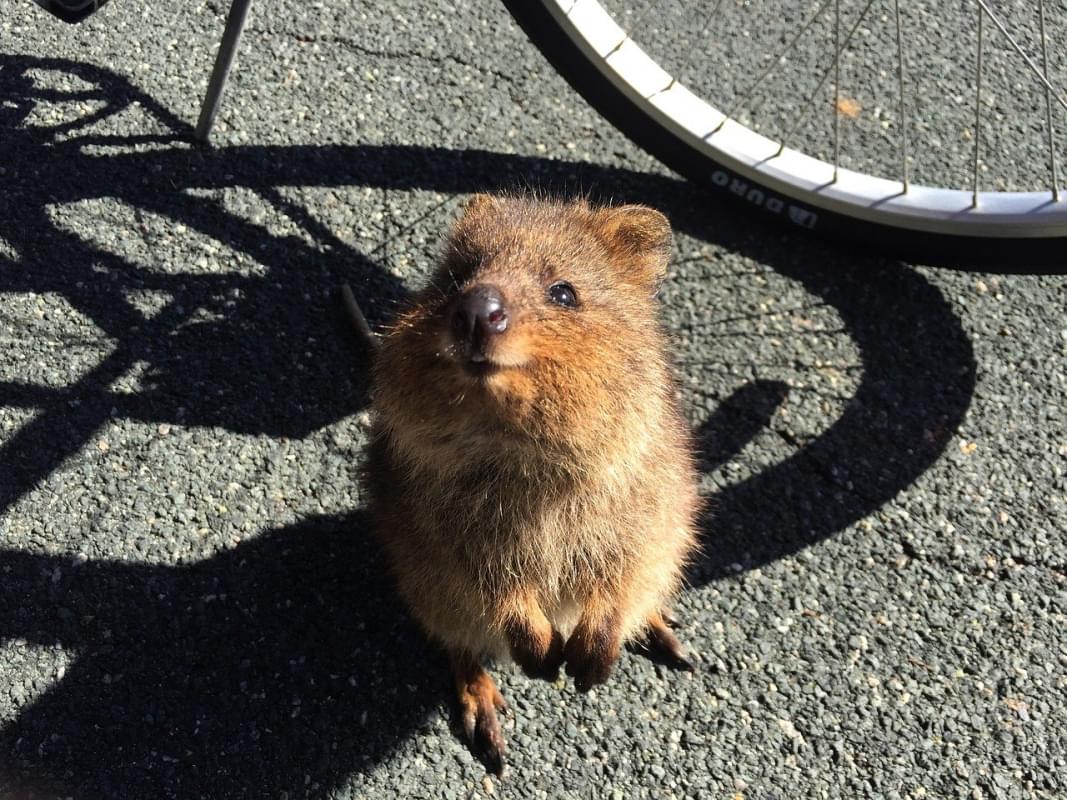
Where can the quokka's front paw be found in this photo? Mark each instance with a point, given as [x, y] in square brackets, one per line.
[590, 654]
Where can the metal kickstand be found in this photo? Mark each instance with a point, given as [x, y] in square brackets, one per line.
[231, 37]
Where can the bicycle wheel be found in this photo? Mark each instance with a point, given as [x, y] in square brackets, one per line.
[1023, 230]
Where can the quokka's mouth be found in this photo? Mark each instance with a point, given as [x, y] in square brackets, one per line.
[478, 366]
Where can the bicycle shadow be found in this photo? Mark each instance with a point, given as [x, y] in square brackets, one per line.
[172, 693]
[279, 666]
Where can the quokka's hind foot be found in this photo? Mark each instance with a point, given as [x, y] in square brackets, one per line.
[543, 664]
[661, 643]
[479, 702]
[535, 645]
[593, 646]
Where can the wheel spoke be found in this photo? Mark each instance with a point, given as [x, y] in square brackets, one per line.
[806, 107]
[744, 98]
[628, 30]
[900, 91]
[837, 86]
[1048, 104]
[1056, 95]
[692, 50]
[977, 103]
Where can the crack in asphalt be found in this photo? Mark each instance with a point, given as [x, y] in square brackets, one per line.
[362, 49]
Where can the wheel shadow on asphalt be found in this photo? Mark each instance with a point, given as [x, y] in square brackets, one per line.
[917, 377]
[284, 664]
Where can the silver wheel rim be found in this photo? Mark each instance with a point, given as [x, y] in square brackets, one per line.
[779, 179]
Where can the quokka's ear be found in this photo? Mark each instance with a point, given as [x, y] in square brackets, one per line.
[479, 204]
[476, 211]
[642, 237]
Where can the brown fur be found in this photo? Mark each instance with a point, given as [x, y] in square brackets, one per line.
[544, 510]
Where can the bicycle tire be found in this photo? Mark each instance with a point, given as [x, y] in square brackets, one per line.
[1043, 248]
[71, 11]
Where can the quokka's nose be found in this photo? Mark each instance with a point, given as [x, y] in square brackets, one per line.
[479, 315]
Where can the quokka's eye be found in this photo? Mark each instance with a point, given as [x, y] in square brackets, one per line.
[563, 294]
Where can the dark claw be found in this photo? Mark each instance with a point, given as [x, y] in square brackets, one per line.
[683, 664]
[494, 762]
[486, 738]
[663, 646]
[490, 742]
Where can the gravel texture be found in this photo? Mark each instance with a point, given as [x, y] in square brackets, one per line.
[190, 603]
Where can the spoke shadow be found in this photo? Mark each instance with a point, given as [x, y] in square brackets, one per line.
[204, 704]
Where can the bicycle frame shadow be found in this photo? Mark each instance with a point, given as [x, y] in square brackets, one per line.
[202, 680]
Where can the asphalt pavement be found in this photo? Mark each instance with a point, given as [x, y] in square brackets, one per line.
[191, 605]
